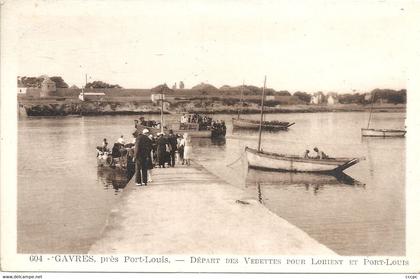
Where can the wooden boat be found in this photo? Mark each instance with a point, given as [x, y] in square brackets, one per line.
[383, 132]
[194, 131]
[255, 124]
[259, 159]
[292, 163]
[369, 132]
[241, 123]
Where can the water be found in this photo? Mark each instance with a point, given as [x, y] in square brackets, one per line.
[63, 200]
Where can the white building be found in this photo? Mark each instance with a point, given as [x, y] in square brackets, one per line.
[316, 98]
[332, 99]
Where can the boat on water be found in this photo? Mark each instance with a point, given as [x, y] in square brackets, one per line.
[366, 132]
[259, 159]
[273, 125]
[291, 163]
[255, 124]
[195, 130]
[200, 126]
[384, 133]
[118, 158]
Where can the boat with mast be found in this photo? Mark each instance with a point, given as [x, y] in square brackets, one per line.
[259, 159]
[243, 123]
[370, 132]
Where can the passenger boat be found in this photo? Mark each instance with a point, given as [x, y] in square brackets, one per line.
[292, 163]
[262, 160]
[195, 131]
[383, 132]
[255, 124]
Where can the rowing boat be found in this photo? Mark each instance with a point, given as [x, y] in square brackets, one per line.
[292, 163]
[383, 133]
[265, 125]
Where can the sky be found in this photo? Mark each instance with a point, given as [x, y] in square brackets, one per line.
[339, 46]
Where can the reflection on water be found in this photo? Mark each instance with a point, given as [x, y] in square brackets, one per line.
[112, 178]
[307, 181]
[64, 201]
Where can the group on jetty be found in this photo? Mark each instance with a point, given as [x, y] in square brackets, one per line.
[145, 151]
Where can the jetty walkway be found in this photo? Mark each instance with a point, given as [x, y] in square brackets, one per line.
[188, 210]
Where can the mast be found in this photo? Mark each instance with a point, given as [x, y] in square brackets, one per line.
[161, 112]
[242, 98]
[262, 115]
[371, 108]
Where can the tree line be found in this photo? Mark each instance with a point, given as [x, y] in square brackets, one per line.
[376, 95]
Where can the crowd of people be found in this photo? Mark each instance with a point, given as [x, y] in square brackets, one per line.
[162, 150]
[146, 151]
[147, 123]
[204, 122]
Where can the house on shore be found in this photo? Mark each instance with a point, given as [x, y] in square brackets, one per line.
[317, 98]
[332, 98]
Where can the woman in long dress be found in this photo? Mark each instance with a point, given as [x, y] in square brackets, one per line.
[187, 148]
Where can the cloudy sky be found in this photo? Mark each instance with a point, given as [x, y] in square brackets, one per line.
[310, 45]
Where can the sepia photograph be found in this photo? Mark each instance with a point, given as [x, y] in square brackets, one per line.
[217, 136]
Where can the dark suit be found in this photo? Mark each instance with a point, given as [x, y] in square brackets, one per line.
[142, 152]
[173, 143]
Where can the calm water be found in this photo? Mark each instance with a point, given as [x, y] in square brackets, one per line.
[64, 200]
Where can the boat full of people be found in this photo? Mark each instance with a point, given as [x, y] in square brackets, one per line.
[117, 157]
[200, 126]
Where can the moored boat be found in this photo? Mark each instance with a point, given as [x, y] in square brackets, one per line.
[241, 123]
[292, 163]
[383, 132]
[265, 125]
[195, 131]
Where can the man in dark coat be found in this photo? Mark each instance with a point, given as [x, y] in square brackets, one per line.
[173, 142]
[142, 157]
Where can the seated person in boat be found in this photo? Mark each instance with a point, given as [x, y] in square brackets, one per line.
[306, 154]
[320, 154]
[116, 150]
[136, 123]
[141, 120]
[105, 145]
[121, 140]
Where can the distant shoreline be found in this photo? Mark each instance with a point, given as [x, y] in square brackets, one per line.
[33, 109]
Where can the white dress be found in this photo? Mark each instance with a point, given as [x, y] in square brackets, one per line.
[187, 149]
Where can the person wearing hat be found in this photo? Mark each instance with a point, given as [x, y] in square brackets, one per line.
[173, 143]
[142, 151]
[161, 150]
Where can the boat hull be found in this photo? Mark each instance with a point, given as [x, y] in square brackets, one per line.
[276, 162]
[254, 125]
[195, 134]
[383, 133]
